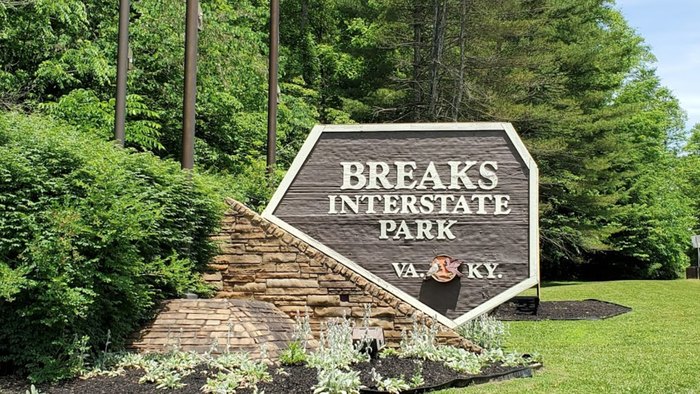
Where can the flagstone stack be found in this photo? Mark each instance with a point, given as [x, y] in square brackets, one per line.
[263, 262]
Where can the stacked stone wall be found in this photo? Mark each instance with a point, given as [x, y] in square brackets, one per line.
[261, 261]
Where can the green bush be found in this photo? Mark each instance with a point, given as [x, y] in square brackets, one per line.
[293, 354]
[485, 331]
[91, 237]
[255, 186]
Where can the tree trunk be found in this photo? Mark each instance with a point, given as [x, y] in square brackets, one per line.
[417, 90]
[436, 57]
[462, 54]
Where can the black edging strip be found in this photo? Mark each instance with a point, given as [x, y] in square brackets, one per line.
[523, 372]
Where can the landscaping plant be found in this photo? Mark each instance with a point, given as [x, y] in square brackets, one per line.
[337, 381]
[336, 349]
[390, 385]
[335, 353]
[225, 373]
[420, 341]
[485, 331]
[295, 352]
[91, 238]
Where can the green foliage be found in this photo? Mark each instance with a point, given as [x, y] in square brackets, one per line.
[390, 385]
[225, 373]
[688, 176]
[166, 371]
[59, 57]
[255, 186]
[337, 381]
[254, 372]
[249, 371]
[458, 359]
[84, 110]
[417, 376]
[91, 237]
[12, 281]
[293, 354]
[485, 331]
[692, 146]
[576, 81]
[336, 349]
[230, 361]
[162, 375]
[222, 383]
[302, 329]
[420, 342]
[335, 353]
[332, 48]
[388, 352]
[574, 78]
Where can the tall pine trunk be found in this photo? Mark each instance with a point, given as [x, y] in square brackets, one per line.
[438, 45]
[417, 89]
[462, 59]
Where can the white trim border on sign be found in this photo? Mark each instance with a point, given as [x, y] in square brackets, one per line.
[533, 194]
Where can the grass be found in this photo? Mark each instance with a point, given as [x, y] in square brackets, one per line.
[653, 349]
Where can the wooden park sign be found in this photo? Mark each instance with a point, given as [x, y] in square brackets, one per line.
[444, 216]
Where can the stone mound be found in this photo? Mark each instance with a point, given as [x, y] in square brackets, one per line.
[213, 324]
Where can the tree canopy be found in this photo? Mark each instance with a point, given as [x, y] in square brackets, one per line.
[617, 176]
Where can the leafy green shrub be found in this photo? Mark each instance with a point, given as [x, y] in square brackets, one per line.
[417, 377]
[460, 360]
[167, 370]
[91, 237]
[335, 348]
[222, 383]
[390, 385]
[225, 373]
[293, 354]
[485, 331]
[230, 361]
[337, 381]
[420, 342]
[255, 185]
[302, 330]
[84, 110]
[335, 353]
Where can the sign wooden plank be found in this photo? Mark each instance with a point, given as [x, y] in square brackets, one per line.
[442, 215]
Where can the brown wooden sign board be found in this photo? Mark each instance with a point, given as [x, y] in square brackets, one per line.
[444, 216]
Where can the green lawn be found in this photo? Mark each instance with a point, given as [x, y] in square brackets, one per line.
[653, 349]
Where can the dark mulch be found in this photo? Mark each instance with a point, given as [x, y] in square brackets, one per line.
[294, 379]
[12, 384]
[301, 379]
[562, 310]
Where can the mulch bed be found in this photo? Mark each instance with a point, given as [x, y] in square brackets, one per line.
[561, 310]
[300, 379]
[294, 380]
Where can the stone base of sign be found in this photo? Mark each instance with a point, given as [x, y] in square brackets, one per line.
[260, 261]
[692, 273]
[215, 325]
